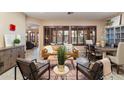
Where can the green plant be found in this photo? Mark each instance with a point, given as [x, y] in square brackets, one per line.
[16, 41]
[109, 22]
[61, 54]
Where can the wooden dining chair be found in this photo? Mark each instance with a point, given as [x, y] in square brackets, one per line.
[93, 54]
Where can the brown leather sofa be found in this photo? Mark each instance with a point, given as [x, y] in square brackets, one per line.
[45, 52]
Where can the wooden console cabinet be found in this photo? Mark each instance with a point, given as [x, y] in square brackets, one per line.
[8, 57]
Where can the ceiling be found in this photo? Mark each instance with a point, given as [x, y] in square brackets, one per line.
[48, 16]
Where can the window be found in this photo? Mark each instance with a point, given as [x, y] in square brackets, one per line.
[75, 35]
[66, 36]
[80, 37]
[60, 37]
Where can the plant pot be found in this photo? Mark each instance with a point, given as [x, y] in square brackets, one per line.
[61, 68]
[16, 44]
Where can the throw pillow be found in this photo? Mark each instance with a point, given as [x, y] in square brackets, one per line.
[49, 48]
[69, 47]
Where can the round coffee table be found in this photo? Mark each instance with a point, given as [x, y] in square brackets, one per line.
[60, 74]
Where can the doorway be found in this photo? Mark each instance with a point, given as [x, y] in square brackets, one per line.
[32, 36]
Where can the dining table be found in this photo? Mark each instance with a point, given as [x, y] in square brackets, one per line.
[105, 50]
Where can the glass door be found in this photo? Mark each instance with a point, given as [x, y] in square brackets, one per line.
[74, 37]
[80, 37]
[66, 36]
[54, 38]
[69, 34]
[59, 37]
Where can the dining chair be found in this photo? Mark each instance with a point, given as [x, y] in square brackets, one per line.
[93, 54]
[119, 58]
[32, 70]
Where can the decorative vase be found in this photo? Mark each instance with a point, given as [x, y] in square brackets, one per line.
[61, 68]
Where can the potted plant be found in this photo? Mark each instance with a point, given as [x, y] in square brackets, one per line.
[109, 22]
[16, 41]
[61, 54]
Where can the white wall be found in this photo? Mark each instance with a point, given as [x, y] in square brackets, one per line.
[7, 18]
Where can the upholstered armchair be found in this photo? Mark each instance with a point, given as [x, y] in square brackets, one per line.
[33, 70]
[119, 58]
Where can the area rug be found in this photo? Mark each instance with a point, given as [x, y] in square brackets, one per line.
[70, 76]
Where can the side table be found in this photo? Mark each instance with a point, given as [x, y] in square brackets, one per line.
[60, 74]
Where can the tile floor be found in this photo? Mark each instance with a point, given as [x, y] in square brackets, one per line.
[31, 54]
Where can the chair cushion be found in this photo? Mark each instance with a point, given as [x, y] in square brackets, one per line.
[85, 71]
[41, 70]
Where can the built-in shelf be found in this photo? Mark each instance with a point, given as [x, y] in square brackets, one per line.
[115, 34]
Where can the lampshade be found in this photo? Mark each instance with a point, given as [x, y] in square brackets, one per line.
[89, 42]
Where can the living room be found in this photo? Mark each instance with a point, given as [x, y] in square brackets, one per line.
[61, 46]
[43, 33]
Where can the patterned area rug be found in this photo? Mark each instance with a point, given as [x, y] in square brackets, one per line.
[70, 76]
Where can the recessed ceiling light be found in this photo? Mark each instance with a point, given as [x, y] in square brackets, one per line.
[69, 13]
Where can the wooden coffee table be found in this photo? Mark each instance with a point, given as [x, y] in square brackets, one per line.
[60, 74]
